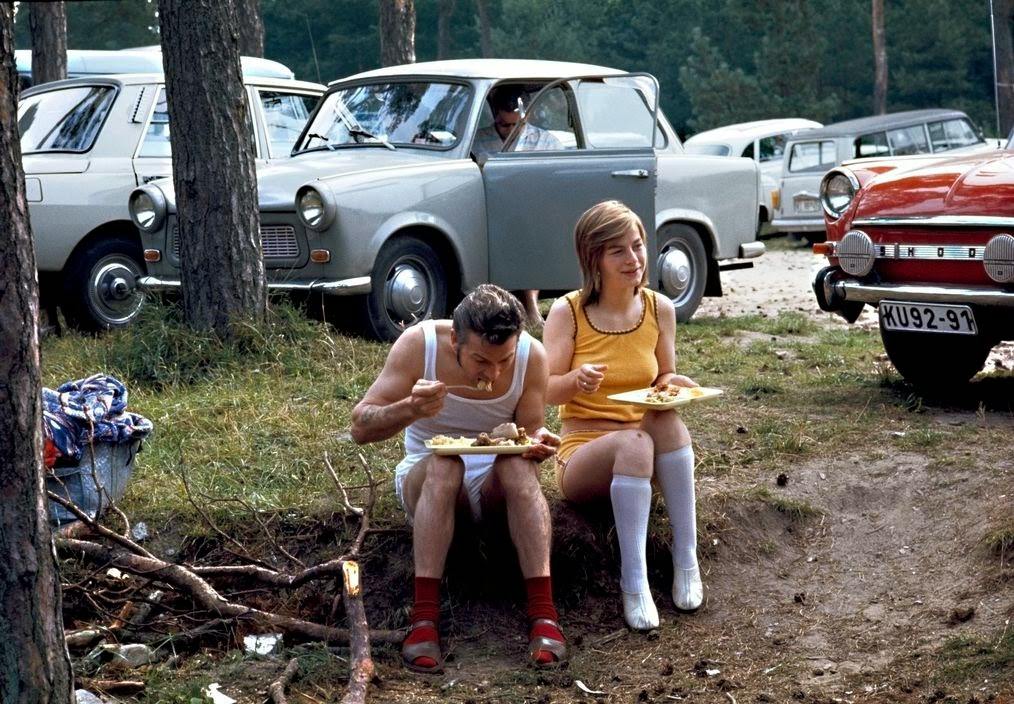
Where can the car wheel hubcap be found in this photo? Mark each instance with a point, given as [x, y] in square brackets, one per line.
[113, 293]
[408, 293]
[676, 272]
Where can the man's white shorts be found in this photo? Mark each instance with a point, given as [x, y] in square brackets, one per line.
[477, 470]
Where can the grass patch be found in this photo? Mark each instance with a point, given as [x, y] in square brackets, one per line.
[968, 660]
[999, 541]
[795, 509]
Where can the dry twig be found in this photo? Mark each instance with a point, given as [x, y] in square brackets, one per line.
[278, 687]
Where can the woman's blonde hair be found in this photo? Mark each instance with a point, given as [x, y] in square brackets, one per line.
[598, 226]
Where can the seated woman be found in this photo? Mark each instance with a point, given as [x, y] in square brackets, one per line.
[616, 335]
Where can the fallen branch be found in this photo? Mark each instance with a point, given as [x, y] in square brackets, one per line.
[360, 660]
[277, 689]
[97, 527]
[114, 686]
[186, 581]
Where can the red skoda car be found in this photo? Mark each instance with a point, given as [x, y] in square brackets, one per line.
[930, 244]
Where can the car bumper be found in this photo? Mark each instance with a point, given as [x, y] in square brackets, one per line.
[836, 293]
[344, 287]
[798, 224]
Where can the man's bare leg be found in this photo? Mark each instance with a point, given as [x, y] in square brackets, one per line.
[517, 481]
[430, 490]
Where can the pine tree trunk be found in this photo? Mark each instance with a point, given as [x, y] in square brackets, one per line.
[397, 32]
[251, 28]
[1003, 45]
[48, 24]
[213, 151]
[879, 60]
[485, 37]
[445, 12]
[34, 664]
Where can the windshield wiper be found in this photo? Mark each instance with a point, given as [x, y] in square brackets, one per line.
[325, 140]
[359, 132]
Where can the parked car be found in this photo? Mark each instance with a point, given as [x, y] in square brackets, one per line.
[929, 243]
[763, 141]
[96, 62]
[811, 154]
[385, 197]
[86, 144]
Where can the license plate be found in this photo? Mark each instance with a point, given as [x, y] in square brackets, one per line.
[807, 205]
[923, 317]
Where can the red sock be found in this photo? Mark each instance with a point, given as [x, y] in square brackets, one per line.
[540, 605]
[426, 608]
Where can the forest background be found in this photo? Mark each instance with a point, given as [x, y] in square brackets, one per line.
[718, 61]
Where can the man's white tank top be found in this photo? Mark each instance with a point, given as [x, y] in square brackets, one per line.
[466, 416]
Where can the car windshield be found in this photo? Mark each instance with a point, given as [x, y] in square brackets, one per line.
[412, 113]
[63, 120]
[709, 149]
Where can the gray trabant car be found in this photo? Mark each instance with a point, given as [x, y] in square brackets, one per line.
[402, 192]
[813, 153]
[86, 143]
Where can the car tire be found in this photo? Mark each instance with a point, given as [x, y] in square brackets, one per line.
[408, 284]
[937, 363]
[100, 285]
[682, 268]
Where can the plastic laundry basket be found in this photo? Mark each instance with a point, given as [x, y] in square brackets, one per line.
[99, 478]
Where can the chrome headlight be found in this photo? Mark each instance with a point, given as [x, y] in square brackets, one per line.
[837, 190]
[315, 208]
[147, 208]
[856, 253]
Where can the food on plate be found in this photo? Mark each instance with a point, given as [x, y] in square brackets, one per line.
[503, 435]
[484, 385]
[664, 393]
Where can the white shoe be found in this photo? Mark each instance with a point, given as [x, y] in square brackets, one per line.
[687, 589]
[639, 611]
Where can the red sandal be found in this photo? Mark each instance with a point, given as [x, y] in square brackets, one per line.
[410, 652]
[545, 644]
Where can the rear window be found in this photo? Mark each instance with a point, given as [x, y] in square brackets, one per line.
[67, 120]
[908, 140]
[709, 149]
[812, 156]
[952, 134]
[875, 144]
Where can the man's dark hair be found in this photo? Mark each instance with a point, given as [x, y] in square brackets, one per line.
[506, 99]
[491, 313]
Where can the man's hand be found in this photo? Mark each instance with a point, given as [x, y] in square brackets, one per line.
[544, 447]
[427, 398]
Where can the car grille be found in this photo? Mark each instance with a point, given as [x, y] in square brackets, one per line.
[277, 242]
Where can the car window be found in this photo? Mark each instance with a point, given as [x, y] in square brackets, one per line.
[156, 137]
[872, 145]
[709, 149]
[285, 115]
[64, 120]
[812, 156]
[772, 148]
[908, 140]
[952, 134]
[409, 113]
[614, 114]
[748, 152]
[549, 122]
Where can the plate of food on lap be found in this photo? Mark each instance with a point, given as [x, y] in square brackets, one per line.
[664, 396]
[504, 439]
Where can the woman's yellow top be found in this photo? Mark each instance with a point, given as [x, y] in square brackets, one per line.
[630, 355]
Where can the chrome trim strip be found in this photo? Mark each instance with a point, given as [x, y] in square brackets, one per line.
[343, 287]
[937, 221]
[751, 250]
[944, 252]
[851, 290]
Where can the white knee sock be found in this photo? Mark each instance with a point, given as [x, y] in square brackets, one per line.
[675, 473]
[631, 497]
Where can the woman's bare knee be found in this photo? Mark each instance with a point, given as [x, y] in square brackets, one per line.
[635, 453]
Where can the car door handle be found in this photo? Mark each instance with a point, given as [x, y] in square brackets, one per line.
[149, 179]
[631, 173]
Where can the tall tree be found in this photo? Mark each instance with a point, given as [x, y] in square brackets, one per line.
[879, 59]
[251, 28]
[1003, 48]
[397, 32]
[485, 33]
[48, 23]
[213, 165]
[445, 11]
[34, 664]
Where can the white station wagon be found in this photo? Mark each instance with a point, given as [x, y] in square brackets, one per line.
[86, 143]
[392, 196]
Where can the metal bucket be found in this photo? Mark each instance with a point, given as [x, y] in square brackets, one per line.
[97, 480]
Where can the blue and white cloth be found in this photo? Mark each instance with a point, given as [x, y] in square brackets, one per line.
[90, 410]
